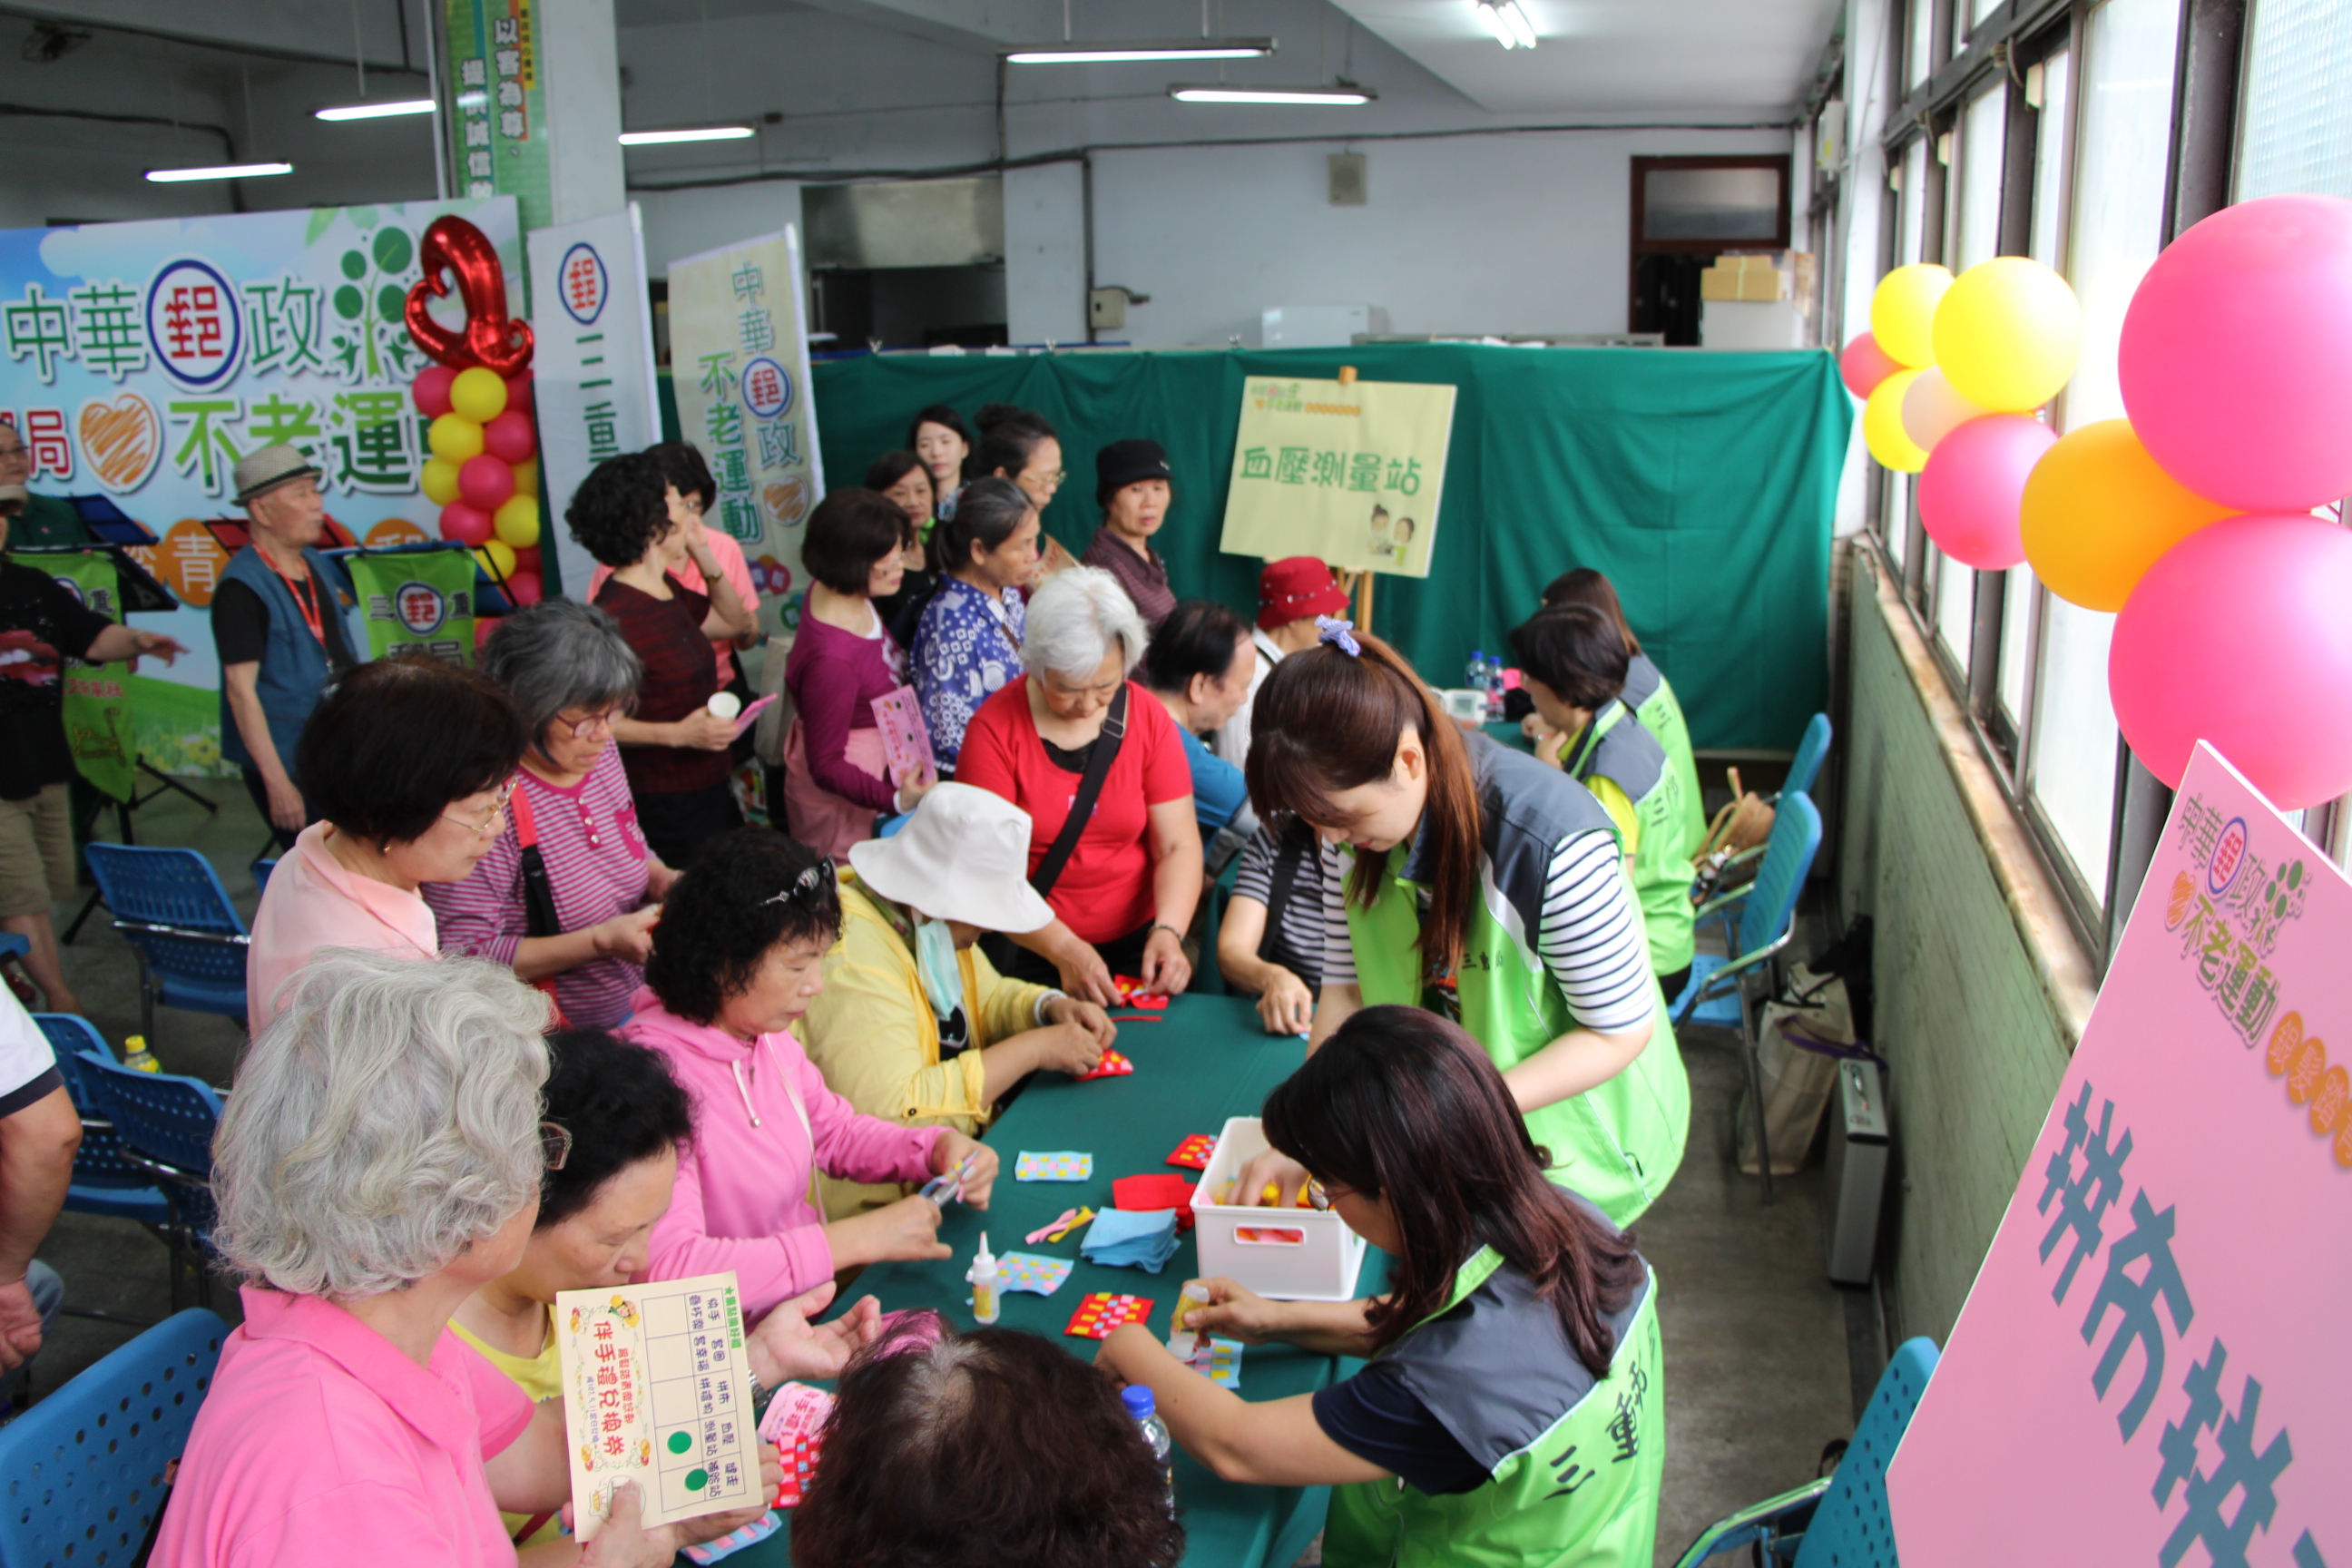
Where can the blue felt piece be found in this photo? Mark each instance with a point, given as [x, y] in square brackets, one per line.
[1118, 1239]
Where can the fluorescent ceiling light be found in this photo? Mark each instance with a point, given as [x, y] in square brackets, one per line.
[1508, 22]
[218, 172]
[1121, 54]
[1220, 93]
[378, 110]
[704, 133]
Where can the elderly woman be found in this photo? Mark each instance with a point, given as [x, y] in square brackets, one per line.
[1199, 667]
[835, 776]
[900, 479]
[1134, 486]
[379, 1162]
[410, 762]
[624, 1116]
[1017, 444]
[577, 917]
[914, 1023]
[743, 939]
[692, 492]
[673, 748]
[1099, 766]
[968, 643]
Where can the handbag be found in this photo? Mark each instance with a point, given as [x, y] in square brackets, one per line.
[539, 916]
[1722, 860]
[1082, 808]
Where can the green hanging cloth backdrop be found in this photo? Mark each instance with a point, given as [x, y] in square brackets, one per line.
[421, 600]
[1703, 484]
[97, 697]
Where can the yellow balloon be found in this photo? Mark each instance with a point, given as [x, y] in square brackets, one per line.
[1882, 425]
[497, 557]
[479, 395]
[2008, 333]
[2098, 512]
[517, 521]
[454, 438]
[527, 477]
[1903, 312]
[440, 481]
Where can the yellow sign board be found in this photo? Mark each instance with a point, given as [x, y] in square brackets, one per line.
[1348, 472]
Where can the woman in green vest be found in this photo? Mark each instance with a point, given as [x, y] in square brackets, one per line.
[1472, 879]
[1512, 1410]
[1647, 691]
[1574, 663]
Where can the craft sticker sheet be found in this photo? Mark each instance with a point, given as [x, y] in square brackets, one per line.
[1113, 1066]
[1068, 1165]
[1194, 1152]
[656, 1390]
[1219, 1360]
[1027, 1271]
[1101, 1312]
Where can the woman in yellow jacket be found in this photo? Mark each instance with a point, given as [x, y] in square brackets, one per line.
[914, 1022]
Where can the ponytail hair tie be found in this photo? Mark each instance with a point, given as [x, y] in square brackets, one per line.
[1338, 633]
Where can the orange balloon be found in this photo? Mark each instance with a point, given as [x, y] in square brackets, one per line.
[2098, 513]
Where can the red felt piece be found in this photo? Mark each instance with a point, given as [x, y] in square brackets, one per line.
[1143, 1195]
[1113, 1066]
[1194, 1152]
[1100, 1314]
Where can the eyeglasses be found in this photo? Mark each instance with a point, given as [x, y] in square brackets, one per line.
[580, 728]
[807, 888]
[491, 820]
[1051, 477]
[554, 1144]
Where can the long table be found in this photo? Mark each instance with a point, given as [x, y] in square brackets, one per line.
[1208, 1059]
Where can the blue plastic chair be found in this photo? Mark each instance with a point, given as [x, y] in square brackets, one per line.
[1765, 919]
[81, 1473]
[261, 869]
[170, 905]
[1839, 1520]
[1810, 752]
[104, 1181]
[165, 1123]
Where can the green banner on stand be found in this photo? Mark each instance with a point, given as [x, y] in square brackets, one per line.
[498, 136]
[96, 699]
[424, 600]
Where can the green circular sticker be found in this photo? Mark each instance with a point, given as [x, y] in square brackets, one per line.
[696, 1479]
[679, 1442]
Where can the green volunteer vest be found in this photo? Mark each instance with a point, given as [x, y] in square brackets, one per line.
[1654, 704]
[1585, 1492]
[1617, 1144]
[1628, 755]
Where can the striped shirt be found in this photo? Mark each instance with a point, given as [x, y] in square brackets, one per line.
[595, 858]
[1589, 937]
[1294, 932]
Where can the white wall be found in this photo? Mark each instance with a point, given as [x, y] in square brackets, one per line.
[1045, 254]
[679, 224]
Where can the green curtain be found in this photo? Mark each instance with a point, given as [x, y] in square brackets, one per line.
[1703, 484]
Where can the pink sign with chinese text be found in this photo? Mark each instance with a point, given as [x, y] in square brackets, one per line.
[2153, 1365]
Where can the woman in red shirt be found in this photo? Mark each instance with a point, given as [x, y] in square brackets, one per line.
[1124, 895]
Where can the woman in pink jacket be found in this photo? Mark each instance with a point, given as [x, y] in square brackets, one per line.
[737, 959]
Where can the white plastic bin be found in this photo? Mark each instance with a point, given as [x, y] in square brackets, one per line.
[1286, 1254]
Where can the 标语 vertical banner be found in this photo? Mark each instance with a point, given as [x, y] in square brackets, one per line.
[1348, 471]
[498, 130]
[593, 376]
[97, 701]
[422, 599]
[739, 364]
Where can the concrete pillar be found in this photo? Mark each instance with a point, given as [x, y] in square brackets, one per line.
[581, 56]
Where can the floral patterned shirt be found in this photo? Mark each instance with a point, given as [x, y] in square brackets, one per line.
[966, 646]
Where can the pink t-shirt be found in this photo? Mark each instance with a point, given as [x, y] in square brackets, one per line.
[318, 1436]
[312, 902]
[732, 566]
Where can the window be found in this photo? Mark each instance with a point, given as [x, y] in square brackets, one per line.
[1975, 236]
[2297, 134]
[2021, 596]
[1916, 63]
[2124, 140]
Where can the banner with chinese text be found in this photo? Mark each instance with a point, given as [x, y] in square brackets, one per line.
[1346, 471]
[422, 598]
[145, 359]
[593, 377]
[2152, 1357]
[497, 135]
[97, 706]
[739, 364]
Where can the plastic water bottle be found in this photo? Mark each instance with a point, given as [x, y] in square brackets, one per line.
[1145, 1414]
[1494, 687]
[1475, 676]
[135, 1054]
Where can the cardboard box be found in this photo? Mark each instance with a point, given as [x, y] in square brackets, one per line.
[1719, 282]
[1761, 284]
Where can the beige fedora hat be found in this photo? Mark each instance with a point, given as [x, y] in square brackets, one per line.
[963, 856]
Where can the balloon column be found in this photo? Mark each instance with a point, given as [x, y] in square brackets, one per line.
[484, 470]
[2196, 519]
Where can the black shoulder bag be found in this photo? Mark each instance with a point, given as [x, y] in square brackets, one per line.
[1082, 809]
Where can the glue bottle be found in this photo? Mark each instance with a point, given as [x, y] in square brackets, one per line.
[982, 1280]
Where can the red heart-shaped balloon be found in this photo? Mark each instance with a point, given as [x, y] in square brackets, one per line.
[489, 338]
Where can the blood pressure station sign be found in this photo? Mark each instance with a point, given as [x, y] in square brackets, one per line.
[2155, 1364]
[1348, 472]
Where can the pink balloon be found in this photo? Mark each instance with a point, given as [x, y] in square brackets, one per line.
[519, 392]
[2233, 353]
[1865, 364]
[2237, 636]
[523, 587]
[485, 482]
[483, 626]
[1973, 485]
[432, 390]
[509, 437]
[468, 525]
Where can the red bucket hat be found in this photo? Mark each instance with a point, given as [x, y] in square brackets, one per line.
[1295, 587]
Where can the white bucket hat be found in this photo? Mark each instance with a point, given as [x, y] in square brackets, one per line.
[963, 856]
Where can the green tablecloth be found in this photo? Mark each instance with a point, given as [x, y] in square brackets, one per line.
[1207, 1060]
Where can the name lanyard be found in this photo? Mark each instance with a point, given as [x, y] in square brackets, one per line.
[306, 599]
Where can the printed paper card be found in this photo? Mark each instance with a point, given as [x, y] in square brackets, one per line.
[1114, 1065]
[1067, 1165]
[1194, 1152]
[656, 1390]
[1219, 1360]
[1101, 1312]
[905, 739]
[1027, 1271]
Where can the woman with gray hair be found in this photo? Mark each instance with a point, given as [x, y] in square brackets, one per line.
[380, 1162]
[1100, 769]
[568, 895]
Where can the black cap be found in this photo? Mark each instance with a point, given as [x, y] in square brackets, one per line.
[1123, 463]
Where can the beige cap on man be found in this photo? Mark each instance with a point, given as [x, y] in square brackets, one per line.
[269, 468]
